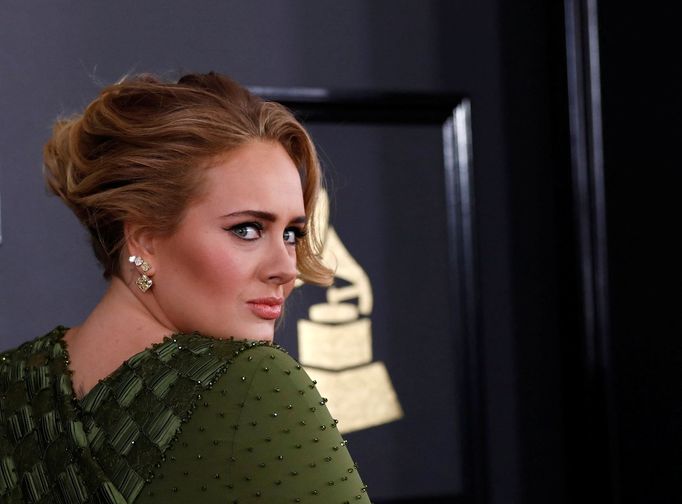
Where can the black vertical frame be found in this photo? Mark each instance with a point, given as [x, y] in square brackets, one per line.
[587, 160]
[453, 114]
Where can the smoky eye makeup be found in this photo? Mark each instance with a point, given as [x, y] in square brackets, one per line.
[247, 230]
[293, 234]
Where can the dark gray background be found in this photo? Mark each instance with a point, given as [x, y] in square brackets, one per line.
[387, 187]
[56, 55]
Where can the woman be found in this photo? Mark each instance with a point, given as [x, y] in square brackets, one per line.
[199, 200]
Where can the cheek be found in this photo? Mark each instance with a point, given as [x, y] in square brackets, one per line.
[288, 288]
[206, 265]
[219, 271]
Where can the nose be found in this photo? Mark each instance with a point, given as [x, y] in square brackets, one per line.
[280, 263]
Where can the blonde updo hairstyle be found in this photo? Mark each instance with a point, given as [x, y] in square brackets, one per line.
[138, 152]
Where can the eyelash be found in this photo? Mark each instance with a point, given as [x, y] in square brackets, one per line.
[299, 233]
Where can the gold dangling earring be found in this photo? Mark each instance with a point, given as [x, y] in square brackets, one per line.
[143, 282]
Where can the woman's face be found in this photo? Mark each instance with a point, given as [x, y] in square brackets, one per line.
[231, 263]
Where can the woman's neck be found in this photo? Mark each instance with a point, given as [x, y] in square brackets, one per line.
[120, 326]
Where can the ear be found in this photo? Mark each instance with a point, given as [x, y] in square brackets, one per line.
[139, 242]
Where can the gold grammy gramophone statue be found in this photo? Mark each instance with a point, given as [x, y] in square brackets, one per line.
[335, 343]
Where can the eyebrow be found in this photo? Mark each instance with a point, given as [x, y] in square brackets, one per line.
[267, 216]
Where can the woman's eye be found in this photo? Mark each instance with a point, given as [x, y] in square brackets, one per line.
[247, 231]
[292, 235]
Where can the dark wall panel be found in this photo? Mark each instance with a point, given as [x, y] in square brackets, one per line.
[642, 131]
[387, 187]
[55, 57]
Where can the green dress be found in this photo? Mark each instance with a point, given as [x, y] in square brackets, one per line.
[191, 419]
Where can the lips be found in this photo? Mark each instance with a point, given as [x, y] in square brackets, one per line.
[268, 308]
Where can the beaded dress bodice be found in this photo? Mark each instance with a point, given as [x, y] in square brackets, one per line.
[191, 419]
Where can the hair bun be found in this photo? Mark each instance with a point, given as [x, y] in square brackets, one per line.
[61, 166]
[138, 153]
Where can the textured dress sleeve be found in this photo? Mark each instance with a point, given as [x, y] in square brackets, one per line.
[262, 433]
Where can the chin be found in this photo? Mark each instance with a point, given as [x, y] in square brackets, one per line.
[256, 331]
[263, 332]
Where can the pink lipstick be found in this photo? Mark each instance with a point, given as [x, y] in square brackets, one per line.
[268, 308]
